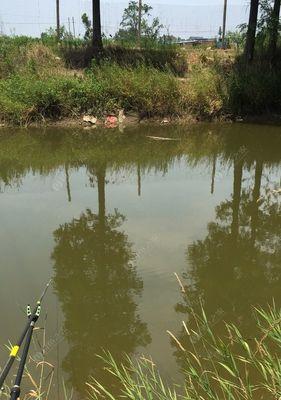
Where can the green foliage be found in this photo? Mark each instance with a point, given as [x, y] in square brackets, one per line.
[265, 25]
[88, 27]
[105, 88]
[128, 32]
[236, 38]
[12, 51]
[142, 89]
[254, 90]
[203, 93]
[35, 84]
[232, 367]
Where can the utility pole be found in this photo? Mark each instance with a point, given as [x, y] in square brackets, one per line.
[69, 28]
[224, 24]
[58, 18]
[73, 24]
[139, 23]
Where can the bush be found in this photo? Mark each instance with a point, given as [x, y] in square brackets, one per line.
[33, 99]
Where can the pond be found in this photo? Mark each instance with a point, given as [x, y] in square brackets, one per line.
[117, 218]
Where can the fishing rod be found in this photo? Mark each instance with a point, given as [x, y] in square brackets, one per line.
[15, 391]
[27, 332]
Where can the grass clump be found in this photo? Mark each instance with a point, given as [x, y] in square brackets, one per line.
[203, 93]
[106, 88]
[142, 89]
[214, 368]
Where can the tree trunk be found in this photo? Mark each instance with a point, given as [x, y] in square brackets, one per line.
[274, 31]
[251, 32]
[101, 194]
[255, 203]
[214, 173]
[97, 39]
[237, 186]
[67, 183]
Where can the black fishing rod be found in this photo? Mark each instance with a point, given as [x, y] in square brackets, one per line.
[32, 317]
[15, 392]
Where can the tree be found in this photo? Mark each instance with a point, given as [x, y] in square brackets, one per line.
[236, 38]
[251, 31]
[97, 36]
[129, 26]
[88, 26]
[274, 30]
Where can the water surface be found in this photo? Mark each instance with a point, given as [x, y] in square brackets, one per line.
[112, 216]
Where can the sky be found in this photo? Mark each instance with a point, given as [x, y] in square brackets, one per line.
[182, 18]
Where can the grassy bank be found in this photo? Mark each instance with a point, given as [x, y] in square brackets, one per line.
[41, 81]
[232, 367]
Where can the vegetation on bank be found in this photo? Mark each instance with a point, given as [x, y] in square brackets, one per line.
[232, 367]
[59, 76]
[38, 81]
[36, 84]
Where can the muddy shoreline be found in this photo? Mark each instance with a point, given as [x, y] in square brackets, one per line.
[135, 120]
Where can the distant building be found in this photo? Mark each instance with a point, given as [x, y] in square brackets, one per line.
[197, 40]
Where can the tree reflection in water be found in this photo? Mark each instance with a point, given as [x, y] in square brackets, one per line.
[238, 264]
[97, 285]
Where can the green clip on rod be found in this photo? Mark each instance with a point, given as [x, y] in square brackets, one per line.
[27, 332]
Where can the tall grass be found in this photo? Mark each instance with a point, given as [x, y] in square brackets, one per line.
[37, 82]
[254, 90]
[103, 89]
[231, 367]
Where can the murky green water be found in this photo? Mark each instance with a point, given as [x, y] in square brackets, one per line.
[112, 216]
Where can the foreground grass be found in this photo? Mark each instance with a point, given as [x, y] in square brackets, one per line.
[38, 82]
[231, 368]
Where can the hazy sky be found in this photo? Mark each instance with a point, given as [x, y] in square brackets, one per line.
[180, 17]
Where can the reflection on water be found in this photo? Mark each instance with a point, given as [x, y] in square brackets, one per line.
[96, 281]
[238, 264]
[83, 208]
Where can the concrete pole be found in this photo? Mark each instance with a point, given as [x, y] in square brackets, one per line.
[73, 25]
[224, 24]
[58, 18]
